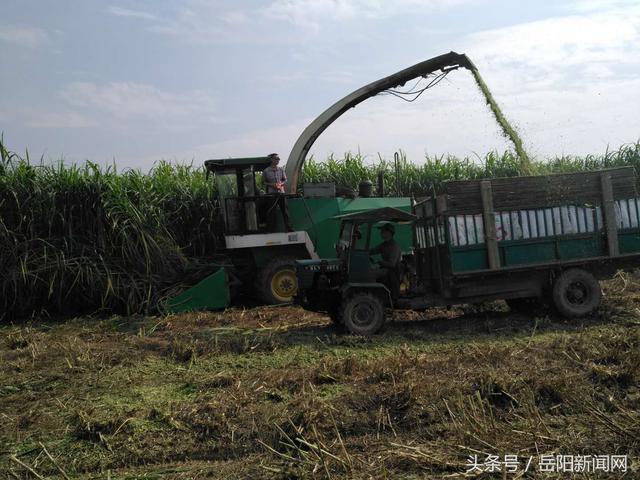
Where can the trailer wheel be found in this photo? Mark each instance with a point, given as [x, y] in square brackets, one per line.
[277, 282]
[576, 293]
[362, 313]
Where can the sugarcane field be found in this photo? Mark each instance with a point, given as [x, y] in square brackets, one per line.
[297, 239]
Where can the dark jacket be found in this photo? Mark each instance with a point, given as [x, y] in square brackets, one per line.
[391, 253]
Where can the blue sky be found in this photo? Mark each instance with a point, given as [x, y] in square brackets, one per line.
[189, 80]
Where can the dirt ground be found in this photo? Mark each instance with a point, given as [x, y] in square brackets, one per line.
[277, 392]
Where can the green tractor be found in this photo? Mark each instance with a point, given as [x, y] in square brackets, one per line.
[347, 287]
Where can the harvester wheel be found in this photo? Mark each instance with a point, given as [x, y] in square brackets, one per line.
[576, 293]
[277, 282]
[362, 313]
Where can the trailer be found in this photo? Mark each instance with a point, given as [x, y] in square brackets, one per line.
[525, 240]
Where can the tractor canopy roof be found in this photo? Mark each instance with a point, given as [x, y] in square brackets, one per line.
[216, 165]
[384, 214]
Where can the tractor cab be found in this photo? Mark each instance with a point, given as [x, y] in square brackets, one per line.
[359, 234]
[330, 285]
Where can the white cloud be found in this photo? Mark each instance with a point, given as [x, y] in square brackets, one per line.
[62, 119]
[235, 17]
[202, 22]
[125, 12]
[569, 82]
[311, 12]
[591, 5]
[564, 49]
[134, 100]
[273, 139]
[568, 85]
[249, 144]
[24, 36]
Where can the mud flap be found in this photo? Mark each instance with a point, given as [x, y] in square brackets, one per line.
[211, 293]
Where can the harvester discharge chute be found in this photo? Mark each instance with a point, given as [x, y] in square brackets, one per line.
[443, 63]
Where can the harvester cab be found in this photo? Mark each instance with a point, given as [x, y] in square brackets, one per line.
[244, 207]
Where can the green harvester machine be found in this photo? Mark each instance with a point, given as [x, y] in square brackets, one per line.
[258, 259]
[261, 260]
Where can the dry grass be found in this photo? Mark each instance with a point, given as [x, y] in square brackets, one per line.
[275, 393]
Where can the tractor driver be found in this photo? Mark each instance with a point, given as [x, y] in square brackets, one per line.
[391, 254]
[275, 179]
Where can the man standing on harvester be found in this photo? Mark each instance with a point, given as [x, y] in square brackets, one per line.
[391, 254]
[274, 179]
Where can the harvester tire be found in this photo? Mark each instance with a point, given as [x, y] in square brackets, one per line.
[362, 313]
[576, 293]
[276, 282]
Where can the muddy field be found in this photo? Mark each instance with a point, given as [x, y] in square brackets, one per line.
[278, 393]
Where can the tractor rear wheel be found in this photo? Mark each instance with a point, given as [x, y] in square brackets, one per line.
[362, 313]
[277, 282]
[576, 293]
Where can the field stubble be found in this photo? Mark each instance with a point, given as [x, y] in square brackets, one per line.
[276, 393]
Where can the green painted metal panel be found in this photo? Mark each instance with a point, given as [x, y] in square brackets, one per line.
[550, 249]
[211, 293]
[522, 254]
[573, 248]
[359, 266]
[468, 259]
[629, 241]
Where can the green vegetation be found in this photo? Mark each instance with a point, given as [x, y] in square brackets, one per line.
[84, 238]
[275, 393]
[417, 178]
[79, 238]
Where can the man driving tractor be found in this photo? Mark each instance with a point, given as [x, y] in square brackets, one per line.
[391, 253]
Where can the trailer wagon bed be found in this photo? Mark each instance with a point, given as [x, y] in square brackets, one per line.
[512, 237]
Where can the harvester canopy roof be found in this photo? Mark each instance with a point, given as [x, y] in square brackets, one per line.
[384, 214]
[258, 163]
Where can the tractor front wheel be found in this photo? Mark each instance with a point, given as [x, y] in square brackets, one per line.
[362, 313]
[277, 282]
